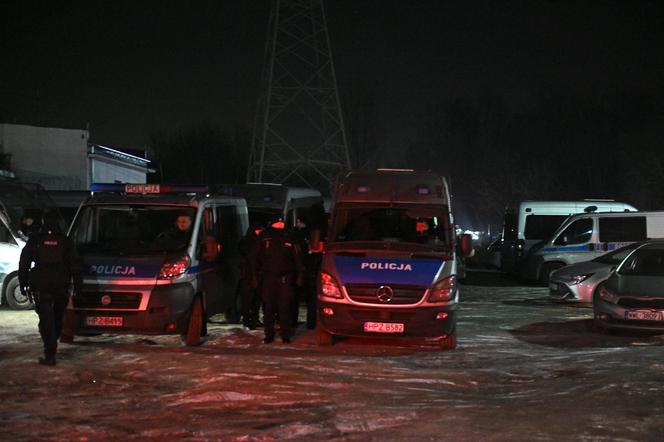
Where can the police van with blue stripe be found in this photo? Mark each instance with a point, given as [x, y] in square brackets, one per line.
[390, 261]
[586, 236]
[157, 259]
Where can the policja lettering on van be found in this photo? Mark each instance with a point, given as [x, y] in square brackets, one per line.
[386, 266]
[113, 270]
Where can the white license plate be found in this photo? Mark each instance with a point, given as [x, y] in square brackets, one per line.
[644, 315]
[383, 327]
[104, 321]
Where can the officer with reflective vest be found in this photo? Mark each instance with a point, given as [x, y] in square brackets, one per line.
[278, 267]
[48, 265]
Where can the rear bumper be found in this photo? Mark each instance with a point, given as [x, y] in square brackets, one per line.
[167, 305]
[420, 322]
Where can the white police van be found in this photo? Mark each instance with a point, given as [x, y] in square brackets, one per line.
[141, 273]
[528, 222]
[19, 203]
[390, 262]
[583, 237]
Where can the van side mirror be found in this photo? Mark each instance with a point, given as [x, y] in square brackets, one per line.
[315, 244]
[466, 245]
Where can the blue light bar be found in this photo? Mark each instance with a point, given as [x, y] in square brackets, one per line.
[145, 189]
[423, 190]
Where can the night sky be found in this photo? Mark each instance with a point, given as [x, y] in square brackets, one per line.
[126, 68]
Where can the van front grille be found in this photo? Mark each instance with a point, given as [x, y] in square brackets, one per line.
[107, 300]
[368, 294]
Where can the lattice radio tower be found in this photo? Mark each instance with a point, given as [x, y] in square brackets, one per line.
[299, 137]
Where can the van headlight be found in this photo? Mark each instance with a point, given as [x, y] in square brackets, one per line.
[174, 268]
[608, 296]
[443, 290]
[328, 286]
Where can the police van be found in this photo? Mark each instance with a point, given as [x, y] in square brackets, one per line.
[266, 201]
[157, 259]
[22, 206]
[586, 236]
[390, 264]
[528, 222]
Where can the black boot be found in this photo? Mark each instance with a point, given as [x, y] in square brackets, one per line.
[47, 360]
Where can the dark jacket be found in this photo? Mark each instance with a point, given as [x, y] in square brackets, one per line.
[278, 255]
[55, 260]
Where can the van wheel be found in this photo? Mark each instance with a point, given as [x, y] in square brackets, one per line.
[195, 326]
[323, 338]
[15, 299]
[449, 342]
[547, 269]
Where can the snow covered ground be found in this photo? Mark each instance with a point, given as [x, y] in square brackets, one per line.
[526, 369]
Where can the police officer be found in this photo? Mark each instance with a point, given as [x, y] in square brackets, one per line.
[278, 266]
[246, 290]
[48, 264]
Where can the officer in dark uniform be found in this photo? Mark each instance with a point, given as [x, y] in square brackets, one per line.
[278, 266]
[47, 266]
[246, 289]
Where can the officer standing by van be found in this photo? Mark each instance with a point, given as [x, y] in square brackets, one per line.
[47, 266]
[279, 267]
[246, 289]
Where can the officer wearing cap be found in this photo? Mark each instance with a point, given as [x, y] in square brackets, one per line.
[47, 266]
[278, 266]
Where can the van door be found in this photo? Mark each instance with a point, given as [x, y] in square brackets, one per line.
[574, 244]
[229, 225]
[615, 232]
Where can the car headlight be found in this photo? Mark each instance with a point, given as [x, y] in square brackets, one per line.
[576, 279]
[328, 286]
[608, 295]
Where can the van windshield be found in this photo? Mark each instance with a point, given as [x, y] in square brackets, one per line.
[541, 227]
[132, 229]
[419, 225]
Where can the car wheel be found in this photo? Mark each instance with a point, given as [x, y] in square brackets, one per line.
[547, 269]
[323, 337]
[195, 326]
[449, 342]
[15, 299]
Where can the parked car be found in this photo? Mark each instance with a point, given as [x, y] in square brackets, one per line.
[577, 282]
[632, 297]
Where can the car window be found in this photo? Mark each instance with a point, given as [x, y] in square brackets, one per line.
[579, 232]
[541, 227]
[644, 262]
[622, 229]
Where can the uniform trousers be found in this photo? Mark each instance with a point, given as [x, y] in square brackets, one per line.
[277, 296]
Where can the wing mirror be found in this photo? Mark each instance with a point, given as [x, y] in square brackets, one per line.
[466, 245]
[315, 243]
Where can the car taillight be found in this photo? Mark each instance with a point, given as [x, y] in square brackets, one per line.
[328, 286]
[443, 290]
[174, 268]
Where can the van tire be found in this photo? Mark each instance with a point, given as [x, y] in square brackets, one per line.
[323, 338]
[449, 342]
[546, 269]
[15, 299]
[194, 325]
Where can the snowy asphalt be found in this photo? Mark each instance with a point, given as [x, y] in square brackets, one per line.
[526, 368]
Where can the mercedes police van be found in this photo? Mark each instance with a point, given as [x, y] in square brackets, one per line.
[157, 259]
[390, 264]
[22, 206]
[528, 222]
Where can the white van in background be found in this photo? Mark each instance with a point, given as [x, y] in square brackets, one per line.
[528, 222]
[586, 236]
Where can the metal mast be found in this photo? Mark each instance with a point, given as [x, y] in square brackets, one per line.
[299, 137]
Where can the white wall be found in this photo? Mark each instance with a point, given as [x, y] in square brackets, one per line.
[55, 158]
[104, 171]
